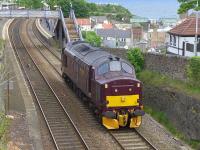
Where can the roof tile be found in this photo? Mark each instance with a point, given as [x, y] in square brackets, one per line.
[186, 28]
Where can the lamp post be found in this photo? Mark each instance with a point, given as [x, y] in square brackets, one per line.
[196, 33]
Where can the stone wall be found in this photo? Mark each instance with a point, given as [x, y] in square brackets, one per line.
[118, 52]
[173, 66]
[182, 110]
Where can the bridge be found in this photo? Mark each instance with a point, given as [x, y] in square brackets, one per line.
[65, 30]
[29, 14]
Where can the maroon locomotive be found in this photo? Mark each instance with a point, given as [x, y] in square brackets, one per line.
[108, 82]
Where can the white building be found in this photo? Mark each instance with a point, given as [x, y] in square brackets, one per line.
[182, 38]
[116, 38]
[84, 23]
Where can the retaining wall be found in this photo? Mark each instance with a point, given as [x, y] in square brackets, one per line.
[173, 66]
[182, 110]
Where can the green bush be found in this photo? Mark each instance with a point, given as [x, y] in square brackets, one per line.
[92, 38]
[136, 58]
[4, 126]
[193, 71]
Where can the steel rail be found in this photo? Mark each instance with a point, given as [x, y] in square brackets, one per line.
[36, 94]
[129, 138]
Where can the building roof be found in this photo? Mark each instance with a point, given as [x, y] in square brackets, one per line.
[99, 19]
[83, 21]
[115, 33]
[107, 26]
[186, 28]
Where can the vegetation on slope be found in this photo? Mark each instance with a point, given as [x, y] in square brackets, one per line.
[113, 12]
[193, 72]
[162, 119]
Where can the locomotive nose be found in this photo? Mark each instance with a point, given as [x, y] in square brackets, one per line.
[122, 93]
[123, 102]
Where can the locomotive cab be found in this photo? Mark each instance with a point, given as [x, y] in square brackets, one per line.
[120, 94]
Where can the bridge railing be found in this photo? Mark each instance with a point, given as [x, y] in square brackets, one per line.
[29, 14]
[73, 17]
[64, 26]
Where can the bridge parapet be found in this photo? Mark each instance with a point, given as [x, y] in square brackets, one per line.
[29, 14]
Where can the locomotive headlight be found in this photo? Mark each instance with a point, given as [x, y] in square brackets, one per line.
[106, 86]
[138, 85]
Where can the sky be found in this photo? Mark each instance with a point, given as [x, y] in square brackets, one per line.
[153, 9]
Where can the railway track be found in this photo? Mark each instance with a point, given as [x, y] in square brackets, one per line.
[126, 139]
[44, 41]
[130, 139]
[62, 129]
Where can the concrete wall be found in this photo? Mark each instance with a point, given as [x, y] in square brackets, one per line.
[182, 110]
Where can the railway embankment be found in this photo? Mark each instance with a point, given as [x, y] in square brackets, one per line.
[167, 92]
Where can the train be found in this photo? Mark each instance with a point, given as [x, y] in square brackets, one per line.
[106, 81]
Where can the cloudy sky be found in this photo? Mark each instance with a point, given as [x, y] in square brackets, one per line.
[147, 8]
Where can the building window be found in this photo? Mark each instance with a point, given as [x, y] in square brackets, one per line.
[198, 48]
[171, 40]
[190, 47]
[174, 42]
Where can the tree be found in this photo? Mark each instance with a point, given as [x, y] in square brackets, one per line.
[187, 5]
[34, 4]
[92, 38]
[136, 58]
[80, 7]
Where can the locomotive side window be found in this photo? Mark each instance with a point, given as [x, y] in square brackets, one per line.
[115, 66]
[103, 68]
[127, 68]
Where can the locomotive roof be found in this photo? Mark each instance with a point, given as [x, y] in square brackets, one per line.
[91, 55]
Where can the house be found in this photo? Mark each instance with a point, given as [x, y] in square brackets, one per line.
[158, 37]
[123, 26]
[138, 33]
[84, 24]
[182, 38]
[116, 38]
[140, 21]
[98, 21]
[107, 26]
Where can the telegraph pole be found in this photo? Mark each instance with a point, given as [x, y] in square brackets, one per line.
[196, 35]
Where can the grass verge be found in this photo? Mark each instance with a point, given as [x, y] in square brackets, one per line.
[159, 80]
[162, 119]
[4, 125]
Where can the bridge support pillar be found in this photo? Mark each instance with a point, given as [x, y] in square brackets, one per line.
[60, 33]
